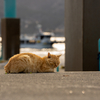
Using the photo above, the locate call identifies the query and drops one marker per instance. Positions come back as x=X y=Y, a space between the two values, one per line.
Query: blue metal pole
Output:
x=9 y=12
x=10 y=8
x=99 y=52
x=57 y=69
x=1 y=57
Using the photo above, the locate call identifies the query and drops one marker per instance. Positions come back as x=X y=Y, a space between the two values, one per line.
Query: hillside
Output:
x=48 y=13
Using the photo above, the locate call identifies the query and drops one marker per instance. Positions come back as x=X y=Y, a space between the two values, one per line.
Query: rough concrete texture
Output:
x=50 y=86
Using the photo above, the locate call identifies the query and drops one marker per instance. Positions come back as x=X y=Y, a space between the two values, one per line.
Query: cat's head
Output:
x=53 y=60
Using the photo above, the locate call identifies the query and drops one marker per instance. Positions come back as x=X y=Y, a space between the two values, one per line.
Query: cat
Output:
x=31 y=63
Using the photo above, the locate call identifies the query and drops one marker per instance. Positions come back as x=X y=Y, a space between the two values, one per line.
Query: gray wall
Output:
x=82 y=31
x=73 y=34
x=10 y=32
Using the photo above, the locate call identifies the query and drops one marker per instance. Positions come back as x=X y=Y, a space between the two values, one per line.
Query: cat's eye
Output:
x=49 y=57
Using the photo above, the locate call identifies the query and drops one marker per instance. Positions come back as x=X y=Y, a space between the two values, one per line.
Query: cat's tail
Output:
x=7 y=68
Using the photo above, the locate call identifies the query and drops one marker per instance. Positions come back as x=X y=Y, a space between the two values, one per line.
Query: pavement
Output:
x=50 y=86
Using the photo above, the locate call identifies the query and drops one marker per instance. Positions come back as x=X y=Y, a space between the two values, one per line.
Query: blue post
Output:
x=57 y=69
x=9 y=12
x=1 y=50
x=10 y=8
x=99 y=52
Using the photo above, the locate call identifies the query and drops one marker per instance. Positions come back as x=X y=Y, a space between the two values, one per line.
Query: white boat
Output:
x=44 y=38
x=40 y=40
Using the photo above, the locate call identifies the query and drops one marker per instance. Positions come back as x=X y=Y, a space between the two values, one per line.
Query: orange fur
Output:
x=28 y=62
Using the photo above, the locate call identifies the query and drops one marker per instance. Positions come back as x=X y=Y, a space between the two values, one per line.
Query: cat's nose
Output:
x=56 y=65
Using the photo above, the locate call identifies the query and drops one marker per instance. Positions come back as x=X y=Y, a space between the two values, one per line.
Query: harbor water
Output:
x=42 y=50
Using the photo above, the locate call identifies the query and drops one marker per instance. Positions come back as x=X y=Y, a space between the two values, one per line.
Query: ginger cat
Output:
x=31 y=63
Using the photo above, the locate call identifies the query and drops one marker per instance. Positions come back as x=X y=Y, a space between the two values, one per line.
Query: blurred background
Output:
x=42 y=26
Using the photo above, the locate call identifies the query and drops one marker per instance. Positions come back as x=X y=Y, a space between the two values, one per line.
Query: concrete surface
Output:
x=50 y=86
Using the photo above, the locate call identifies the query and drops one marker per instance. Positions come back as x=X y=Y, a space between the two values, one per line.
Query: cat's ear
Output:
x=58 y=55
x=49 y=55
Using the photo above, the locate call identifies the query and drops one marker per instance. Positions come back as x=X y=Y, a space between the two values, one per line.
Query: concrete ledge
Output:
x=50 y=86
